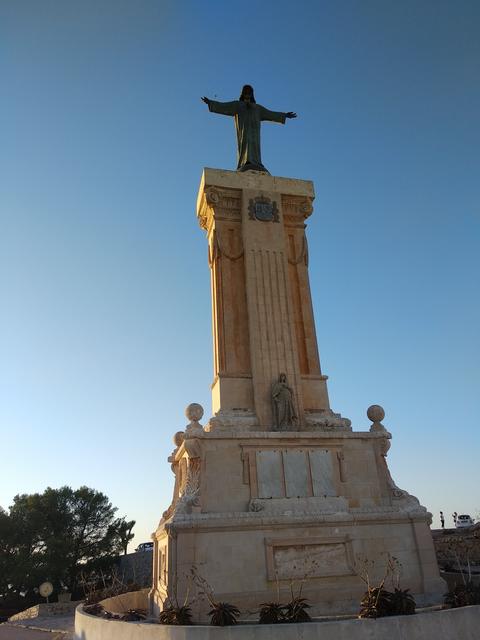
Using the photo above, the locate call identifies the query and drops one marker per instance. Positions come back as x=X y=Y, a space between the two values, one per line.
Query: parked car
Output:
x=145 y=546
x=464 y=521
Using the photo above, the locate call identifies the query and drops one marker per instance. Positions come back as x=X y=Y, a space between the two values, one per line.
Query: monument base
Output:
x=254 y=511
x=277 y=489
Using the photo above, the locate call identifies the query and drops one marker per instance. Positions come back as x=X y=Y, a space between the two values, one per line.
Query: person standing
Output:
x=454 y=516
x=442 y=520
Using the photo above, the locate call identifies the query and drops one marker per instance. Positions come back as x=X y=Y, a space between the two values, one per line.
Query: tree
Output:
x=125 y=533
x=6 y=548
x=56 y=536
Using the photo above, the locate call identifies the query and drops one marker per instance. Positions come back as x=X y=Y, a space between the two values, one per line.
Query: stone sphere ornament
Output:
x=375 y=413
x=178 y=438
x=194 y=412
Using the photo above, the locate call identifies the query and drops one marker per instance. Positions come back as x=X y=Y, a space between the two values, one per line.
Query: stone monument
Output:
x=276 y=487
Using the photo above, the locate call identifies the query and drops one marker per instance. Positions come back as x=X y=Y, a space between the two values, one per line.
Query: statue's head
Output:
x=282 y=377
x=247 y=94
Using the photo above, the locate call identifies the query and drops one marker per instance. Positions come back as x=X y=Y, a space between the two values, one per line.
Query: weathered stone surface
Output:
x=44 y=610
x=263 y=322
x=269 y=493
x=258 y=491
x=322 y=472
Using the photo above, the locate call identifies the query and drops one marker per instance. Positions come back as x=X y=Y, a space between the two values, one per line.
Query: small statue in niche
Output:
x=283 y=407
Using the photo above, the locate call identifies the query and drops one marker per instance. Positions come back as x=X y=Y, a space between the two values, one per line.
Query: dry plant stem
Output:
x=187 y=595
x=203 y=585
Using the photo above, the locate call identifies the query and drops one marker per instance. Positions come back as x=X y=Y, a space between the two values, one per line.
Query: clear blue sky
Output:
x=105 y=327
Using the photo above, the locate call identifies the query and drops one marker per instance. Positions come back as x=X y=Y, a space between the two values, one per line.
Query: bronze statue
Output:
x=283 y=407
x=248 y=116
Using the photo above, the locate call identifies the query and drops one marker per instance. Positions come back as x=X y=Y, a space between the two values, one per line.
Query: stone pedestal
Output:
x=263 y=321
x=277 y=487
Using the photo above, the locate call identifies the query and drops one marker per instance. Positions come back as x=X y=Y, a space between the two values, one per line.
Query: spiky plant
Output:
x=271 y=613
x=463 y=595
x=183 y=615
x=402 y=603
x=167 y=616
x=223 y=614
x=176 y=615
x=296 y=610
x=375 y=603
x=94 y=609
x=134 y=615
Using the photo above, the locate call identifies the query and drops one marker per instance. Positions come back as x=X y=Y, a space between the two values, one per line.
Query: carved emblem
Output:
x=263 y=209
x=212 y=196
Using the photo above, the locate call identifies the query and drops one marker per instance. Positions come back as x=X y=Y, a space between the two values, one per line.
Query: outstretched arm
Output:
x=224 y=108
x=276 y=116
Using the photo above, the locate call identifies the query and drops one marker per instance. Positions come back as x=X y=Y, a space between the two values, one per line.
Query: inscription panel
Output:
x=296 y=473
x=314 y=561
x=322 y=473
x=270 y=474
x=298 y=558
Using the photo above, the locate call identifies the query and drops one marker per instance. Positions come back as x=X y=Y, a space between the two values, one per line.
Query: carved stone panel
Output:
x=322 y=473
x=296 y=473
x=269 y=474
x=315 y=558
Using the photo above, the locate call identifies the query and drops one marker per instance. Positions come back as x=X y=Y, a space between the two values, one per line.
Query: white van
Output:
x=464 y=521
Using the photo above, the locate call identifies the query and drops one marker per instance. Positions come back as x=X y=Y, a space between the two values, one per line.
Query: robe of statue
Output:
x=283 y=407
x=248 y=116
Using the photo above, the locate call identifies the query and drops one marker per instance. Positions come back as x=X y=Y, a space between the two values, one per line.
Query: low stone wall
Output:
x=136 y=567
x=457 y=546
x=43 y=609
x=126 y=601
x=449 y=624
x=456 y=578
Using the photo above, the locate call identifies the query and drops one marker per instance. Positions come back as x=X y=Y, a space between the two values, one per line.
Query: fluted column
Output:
x=261 y=306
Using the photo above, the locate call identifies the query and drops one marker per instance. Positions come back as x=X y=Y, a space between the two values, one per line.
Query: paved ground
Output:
x=12 y=632
x=51 y=628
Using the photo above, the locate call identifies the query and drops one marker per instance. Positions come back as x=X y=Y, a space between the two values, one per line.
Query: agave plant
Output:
x=176 y=615
x=296 y=610
x=223 y=614
x=94 y=609
x=376 y=603
x=402 y=603
x=134 y=615
x=271 y=613
x=463 y=595
x=110 y=616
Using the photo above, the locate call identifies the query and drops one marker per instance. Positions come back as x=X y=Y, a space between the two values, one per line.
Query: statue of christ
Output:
x=248 y=116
